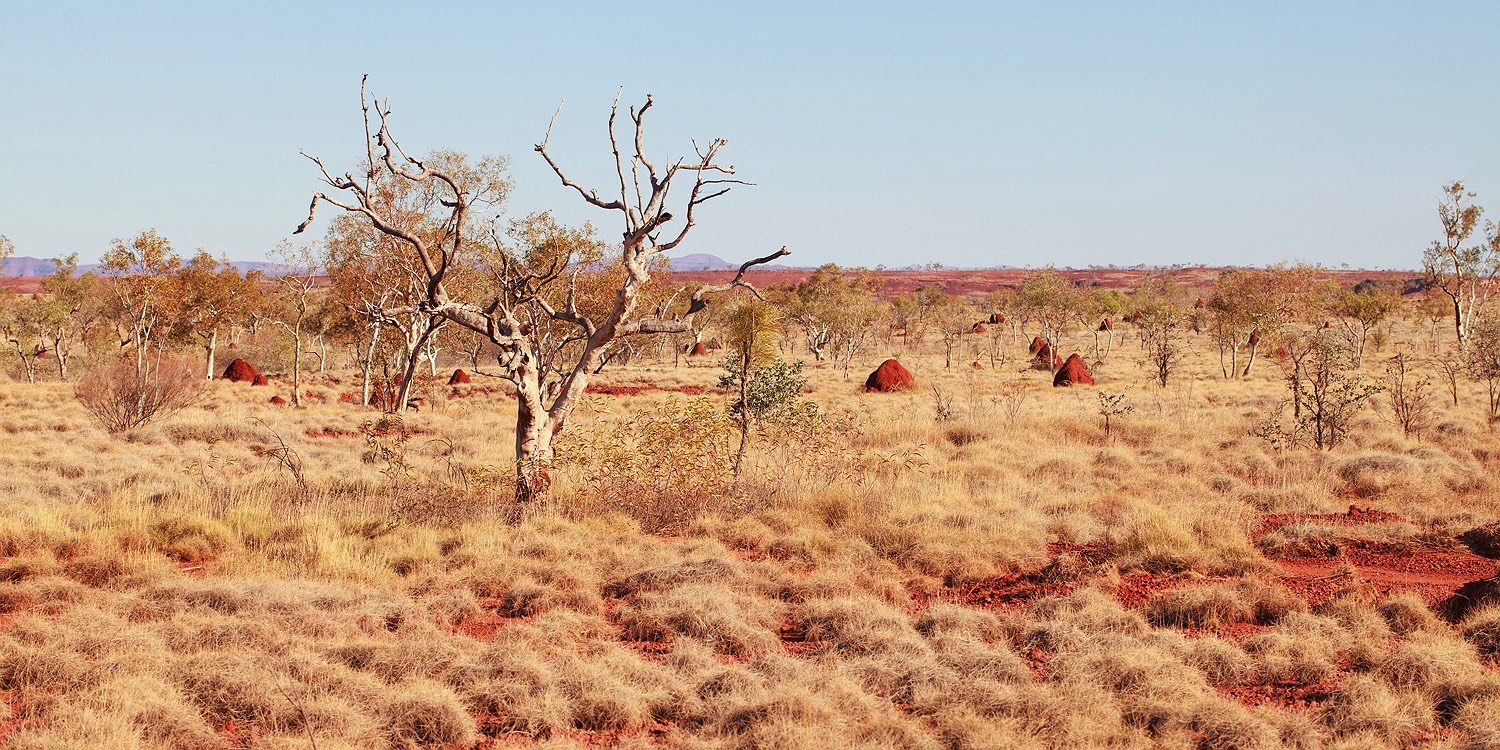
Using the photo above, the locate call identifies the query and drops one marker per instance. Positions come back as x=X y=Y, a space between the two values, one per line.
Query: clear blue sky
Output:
x=877 y=133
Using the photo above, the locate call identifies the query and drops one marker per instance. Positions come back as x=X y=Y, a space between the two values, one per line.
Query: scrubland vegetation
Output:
x=882 y=578
x=659 y=514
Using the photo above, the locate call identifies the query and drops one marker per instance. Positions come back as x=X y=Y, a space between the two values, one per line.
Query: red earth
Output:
x=1433 y=574
x=982 y=282
x=968 y=282
x=636 y=389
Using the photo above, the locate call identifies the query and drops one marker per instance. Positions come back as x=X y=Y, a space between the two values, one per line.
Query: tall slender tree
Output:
x=1463 y=272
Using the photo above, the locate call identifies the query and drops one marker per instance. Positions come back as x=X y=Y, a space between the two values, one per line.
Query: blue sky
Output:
x=879 y=133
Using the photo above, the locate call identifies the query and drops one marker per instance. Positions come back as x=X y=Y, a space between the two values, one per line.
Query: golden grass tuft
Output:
x=424 y=714
x=1248 y=600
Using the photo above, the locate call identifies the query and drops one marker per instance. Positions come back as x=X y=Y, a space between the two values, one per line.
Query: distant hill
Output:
x=702 y=262
x=25 y=267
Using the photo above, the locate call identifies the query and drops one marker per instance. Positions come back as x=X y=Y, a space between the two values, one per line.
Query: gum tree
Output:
x=549 y=375
x=139 y=273
x=1463 y=272
x=209 y=293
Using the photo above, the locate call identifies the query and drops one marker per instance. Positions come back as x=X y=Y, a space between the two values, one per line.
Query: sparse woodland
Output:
x=649 y=513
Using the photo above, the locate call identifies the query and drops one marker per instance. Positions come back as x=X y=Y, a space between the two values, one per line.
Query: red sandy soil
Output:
x=636 y=389
x=794 y=639
x=980 y=283
x=1286 y=696
x=491 y=622
x=955 y=281
x=1432 y=574
x=467 y=391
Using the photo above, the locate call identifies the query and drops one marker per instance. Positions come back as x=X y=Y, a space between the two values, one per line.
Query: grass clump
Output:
x=1248 y=600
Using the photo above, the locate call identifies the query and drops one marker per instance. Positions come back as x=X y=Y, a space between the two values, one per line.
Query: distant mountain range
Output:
x=702 y=262
x=25 y=267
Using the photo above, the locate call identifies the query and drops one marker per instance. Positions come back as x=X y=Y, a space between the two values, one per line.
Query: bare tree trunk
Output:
x=208 y=350
x=744 y=406
x=1459 y=324
x=1254 y=349
x=409 y=367
x=60 y=348
x=534 y=435
x=28 y=364
x=368 y=366
x=297 y=365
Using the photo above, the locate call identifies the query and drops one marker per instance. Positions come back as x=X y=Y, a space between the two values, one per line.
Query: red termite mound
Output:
x=1045 y=357
x=1106 y=326
x=278 y=400
x=1254 y=337
x=698 y=350
x=1073 y=372
x=240 y=371
x=978 y=328
x=459 y=377
x=996 y=318
x=888 y=377
x=260 y=380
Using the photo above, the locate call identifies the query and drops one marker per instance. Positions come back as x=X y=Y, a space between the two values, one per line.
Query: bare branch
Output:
x=592 y=196
x=699 y=302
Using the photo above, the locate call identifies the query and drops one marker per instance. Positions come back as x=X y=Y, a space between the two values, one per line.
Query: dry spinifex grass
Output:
x=163 y=590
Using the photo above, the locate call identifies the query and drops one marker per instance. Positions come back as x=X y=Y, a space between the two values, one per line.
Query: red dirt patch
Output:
x=1284 y=695
x=1006 y=592
x=794 y=639
x=636 y=389
x=485 y=628
x=1434 y=576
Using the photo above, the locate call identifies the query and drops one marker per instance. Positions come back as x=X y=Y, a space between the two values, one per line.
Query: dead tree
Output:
x=548 y=368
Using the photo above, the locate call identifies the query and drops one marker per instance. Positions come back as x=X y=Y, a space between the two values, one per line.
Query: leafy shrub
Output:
x=663 y=467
